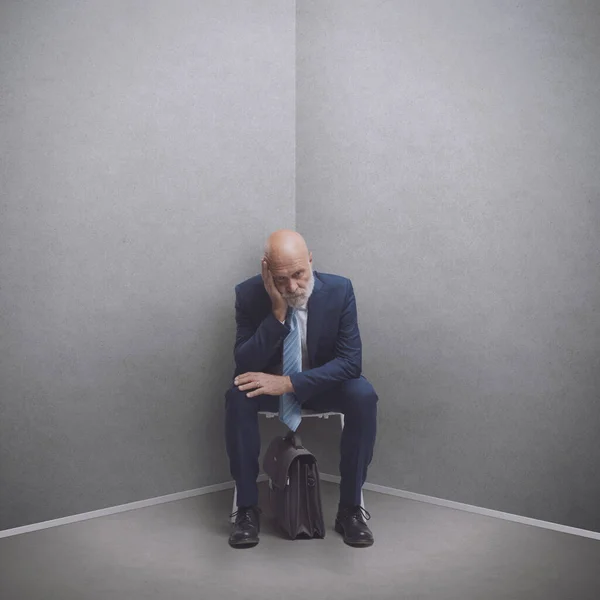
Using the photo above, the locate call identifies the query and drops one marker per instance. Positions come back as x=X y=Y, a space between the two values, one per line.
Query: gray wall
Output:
x=448 y=160
x=146 y=150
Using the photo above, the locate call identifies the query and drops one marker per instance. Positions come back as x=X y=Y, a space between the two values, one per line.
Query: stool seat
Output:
x=305 y=413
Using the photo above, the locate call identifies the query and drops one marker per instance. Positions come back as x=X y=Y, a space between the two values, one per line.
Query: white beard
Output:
x=299 y=300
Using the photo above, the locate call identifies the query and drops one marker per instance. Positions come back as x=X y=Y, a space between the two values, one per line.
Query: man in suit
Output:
x=323 y=308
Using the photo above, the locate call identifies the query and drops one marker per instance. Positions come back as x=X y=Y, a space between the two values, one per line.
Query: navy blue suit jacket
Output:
x=333 y=338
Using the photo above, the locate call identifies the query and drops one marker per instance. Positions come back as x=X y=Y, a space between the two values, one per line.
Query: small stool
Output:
x=305 y=413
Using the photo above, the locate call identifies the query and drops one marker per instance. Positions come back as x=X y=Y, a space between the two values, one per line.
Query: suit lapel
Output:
x=316 y=312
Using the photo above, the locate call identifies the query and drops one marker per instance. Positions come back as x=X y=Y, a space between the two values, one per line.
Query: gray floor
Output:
x=179 y=551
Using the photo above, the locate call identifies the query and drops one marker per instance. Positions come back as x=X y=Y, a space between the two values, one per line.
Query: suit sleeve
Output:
x=347 y=363
x=255 y=346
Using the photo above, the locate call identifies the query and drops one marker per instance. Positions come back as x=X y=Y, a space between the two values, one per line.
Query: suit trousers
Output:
x=355 y=398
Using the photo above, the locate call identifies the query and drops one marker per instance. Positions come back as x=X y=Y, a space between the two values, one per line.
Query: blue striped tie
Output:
x=290 y=411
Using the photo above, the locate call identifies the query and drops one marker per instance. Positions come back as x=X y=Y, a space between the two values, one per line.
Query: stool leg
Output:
x=234 y=507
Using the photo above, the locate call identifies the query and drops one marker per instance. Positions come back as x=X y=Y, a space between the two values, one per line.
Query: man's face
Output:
x=294 y=279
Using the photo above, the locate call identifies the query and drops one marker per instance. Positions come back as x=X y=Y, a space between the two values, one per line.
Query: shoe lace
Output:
x=363 y=512
x=359 y=513
x=243 y=516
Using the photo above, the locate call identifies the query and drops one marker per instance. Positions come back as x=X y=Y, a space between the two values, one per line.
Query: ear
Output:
x=310 y=258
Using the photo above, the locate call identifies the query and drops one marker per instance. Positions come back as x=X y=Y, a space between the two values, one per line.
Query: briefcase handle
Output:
x=294 y=438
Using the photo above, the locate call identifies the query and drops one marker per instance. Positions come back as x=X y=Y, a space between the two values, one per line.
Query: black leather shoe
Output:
x=350 y=522
x=246 y=527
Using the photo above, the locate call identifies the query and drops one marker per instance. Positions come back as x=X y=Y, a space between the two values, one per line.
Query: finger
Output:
x=248 y=386
x=255 y=388
x=268 y=275
x=245 y=378
x=247 y=375
x=264 y=269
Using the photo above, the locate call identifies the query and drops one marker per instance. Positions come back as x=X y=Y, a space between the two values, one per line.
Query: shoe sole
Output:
x=242 y=545
x=364 y=544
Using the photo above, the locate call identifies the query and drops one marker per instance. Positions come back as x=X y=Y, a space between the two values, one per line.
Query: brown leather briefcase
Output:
x=294 y=488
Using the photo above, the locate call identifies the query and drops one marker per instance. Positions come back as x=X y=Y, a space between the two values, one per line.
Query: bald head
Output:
x=285 y=245
x=290 y=264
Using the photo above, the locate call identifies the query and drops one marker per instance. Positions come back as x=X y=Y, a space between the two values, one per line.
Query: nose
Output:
x=292 y=287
